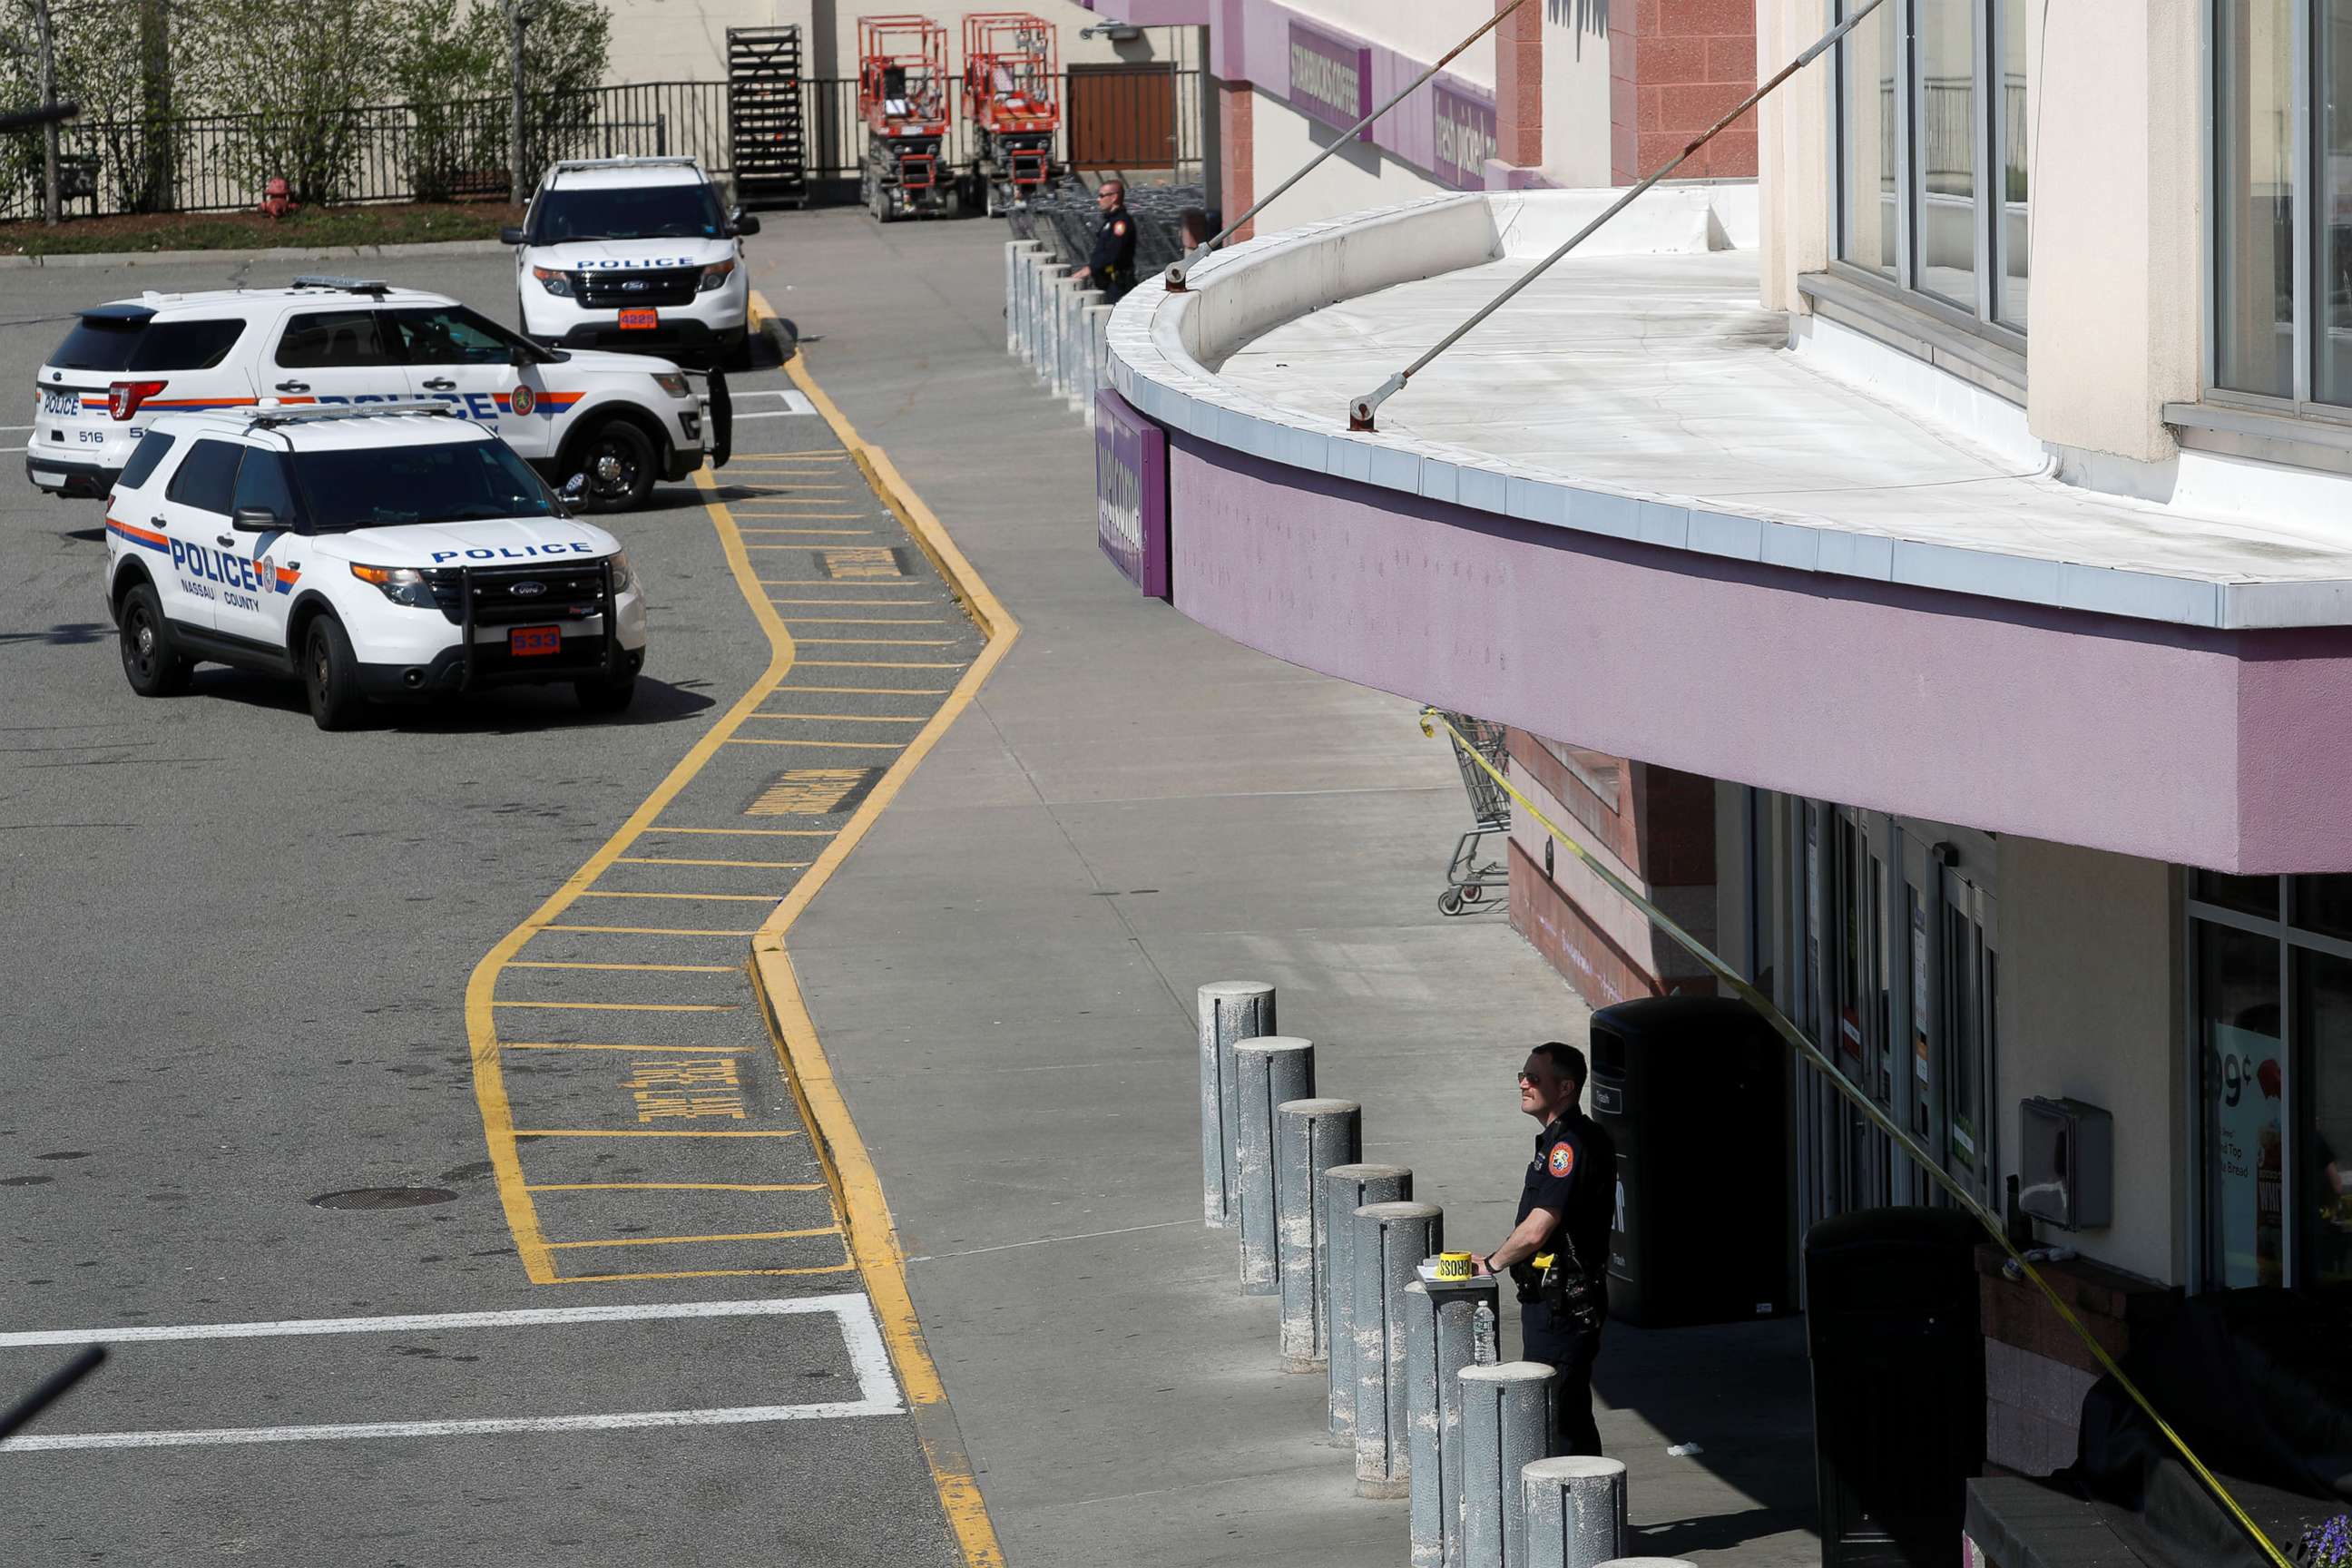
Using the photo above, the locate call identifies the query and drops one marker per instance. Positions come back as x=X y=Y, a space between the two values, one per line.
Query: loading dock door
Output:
x=1123 y=117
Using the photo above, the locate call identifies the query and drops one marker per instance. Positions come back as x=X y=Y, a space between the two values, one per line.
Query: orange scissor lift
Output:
x=903 y=97
x=1011 y=86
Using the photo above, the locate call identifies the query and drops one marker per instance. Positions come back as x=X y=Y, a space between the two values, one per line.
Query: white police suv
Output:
x=393 y=550
x=637 y=254
x=619 y=422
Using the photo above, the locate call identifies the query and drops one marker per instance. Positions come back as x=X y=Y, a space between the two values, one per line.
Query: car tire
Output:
x=616 y=463
x=331 y=675
x=152 y=661
x=606 y=694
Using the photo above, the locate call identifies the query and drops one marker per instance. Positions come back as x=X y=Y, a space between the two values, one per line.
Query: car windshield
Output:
x=648 y=212
x=387 y=487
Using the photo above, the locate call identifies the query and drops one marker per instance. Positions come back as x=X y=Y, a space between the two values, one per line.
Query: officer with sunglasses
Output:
x=1558 y=1251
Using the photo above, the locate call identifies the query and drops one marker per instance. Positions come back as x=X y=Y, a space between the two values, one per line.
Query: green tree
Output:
x=300 y=75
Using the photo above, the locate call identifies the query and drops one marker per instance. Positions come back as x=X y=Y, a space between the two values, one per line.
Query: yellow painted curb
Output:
x=873 y=1238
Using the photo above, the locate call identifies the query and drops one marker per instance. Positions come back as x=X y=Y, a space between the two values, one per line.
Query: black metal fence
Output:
x=1145 y=120
x=395 y=153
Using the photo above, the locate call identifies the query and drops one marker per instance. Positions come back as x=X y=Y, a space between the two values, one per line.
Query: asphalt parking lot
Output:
x=431 y=971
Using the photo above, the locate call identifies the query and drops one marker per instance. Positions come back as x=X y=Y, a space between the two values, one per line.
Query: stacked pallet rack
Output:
x=766 y=130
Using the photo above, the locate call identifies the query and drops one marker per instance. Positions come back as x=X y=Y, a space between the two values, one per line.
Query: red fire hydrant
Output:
x=277 y=197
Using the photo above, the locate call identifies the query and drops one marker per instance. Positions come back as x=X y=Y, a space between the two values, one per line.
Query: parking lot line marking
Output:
x=652 y=930
x=626 y=1006
x=870 y=664
x=679 y=1240
x=586 y=1046
x=649 y=1132
x=678 y=1186
x=721 y=898
x=860 y=604
x=815 y=532
x=826 y=583
x=871 y=1236
x=869 y=621
x=841 y=718
x=842 y=1305
x=664 y=968
x=681 y=860
x=734 y=1415
x=842 y=1268
x=821 y=745
x=755 y=833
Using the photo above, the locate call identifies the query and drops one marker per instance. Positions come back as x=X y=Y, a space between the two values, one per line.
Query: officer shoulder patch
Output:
x=1562 y=1160
x=1119 y=228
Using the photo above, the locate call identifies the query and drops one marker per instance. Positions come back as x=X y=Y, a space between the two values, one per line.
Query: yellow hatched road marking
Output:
x=840 y=717
x=821 y=583
x=869 y=621
x=869 y=690
x=641 y=1132
x=720 y=898
x=813 y=532
x=666 y=968
x=707 y=1274
x=857 y=604
x=681 y=860
x=872 y=1239
x=677 y=1240
x=868 y=664
x=755 y=832
x=625 y=1006
x=652 y=930
x=877 y=642
x=601 y=1045
x=820 y=745
x=677 y=1187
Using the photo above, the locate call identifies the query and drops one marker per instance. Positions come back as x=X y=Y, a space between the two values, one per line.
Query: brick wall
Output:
x=1675 y=66
x=2036 y=1371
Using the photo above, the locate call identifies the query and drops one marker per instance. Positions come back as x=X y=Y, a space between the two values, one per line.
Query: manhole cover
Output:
x=384 y=1198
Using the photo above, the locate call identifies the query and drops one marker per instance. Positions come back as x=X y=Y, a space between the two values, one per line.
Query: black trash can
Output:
x=1899 y=1365
x=1693 y=1091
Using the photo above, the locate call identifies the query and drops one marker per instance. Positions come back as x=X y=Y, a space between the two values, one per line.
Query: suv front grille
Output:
x=603 y=290
x=571 y=591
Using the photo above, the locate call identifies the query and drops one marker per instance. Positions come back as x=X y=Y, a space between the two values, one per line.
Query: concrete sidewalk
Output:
x=1004 y=976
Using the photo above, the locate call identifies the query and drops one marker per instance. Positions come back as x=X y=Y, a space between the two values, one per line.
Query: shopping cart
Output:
x=1467 y=877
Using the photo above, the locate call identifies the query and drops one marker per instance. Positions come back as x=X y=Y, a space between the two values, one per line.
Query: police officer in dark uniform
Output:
x=1558 y=1252
x=1111 y=268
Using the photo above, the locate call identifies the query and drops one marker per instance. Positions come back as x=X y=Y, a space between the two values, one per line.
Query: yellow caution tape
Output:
x=1453 y=1265
x=1431 y=720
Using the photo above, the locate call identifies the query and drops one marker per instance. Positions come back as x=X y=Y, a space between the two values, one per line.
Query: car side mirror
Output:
x=255 y=519
x=744 y=223
x=574 y=488
x=522 y=357
x=510 y=234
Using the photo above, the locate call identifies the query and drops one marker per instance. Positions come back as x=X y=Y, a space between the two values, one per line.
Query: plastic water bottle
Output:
x=1485 y=1346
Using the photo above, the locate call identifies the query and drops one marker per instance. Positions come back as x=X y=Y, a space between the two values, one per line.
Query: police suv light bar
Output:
x=306 y=414
x=348 y=285
x=668 y=160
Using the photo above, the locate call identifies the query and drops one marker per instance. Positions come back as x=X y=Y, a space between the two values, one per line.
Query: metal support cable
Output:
x=1361 y=411
x=1178 y=270
x=1812 y=1054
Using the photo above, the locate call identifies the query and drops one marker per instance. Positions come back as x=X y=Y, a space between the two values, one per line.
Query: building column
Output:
x=1518 y=85
x=1236 y=154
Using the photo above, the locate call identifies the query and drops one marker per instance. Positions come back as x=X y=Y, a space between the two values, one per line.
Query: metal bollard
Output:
x=1441 y=1333
x=1575 y=1507
x=1390 y=1240
x=1230 y=1010
x=1505 y=1420
x=1267 y=1072
x=1345 y=1189
x=1310 y=1136
x=1014 y=249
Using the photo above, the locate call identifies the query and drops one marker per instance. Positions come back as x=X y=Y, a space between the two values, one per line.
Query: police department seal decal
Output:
x=1563 y=1159
x=524 y=398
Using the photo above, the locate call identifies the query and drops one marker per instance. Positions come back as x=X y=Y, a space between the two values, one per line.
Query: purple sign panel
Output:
x=1465 y=135
x=1131 y=492
x=1330 y=78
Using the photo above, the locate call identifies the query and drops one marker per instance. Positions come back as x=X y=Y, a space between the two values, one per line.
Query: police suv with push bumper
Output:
x=617 y=421
x=634 y=254
x=378 y=551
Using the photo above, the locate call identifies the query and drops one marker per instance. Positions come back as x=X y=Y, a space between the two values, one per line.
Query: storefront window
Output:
x=2323 y=1012
x=2255 y=204
x=2254 y=895
x=2238 y=1013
